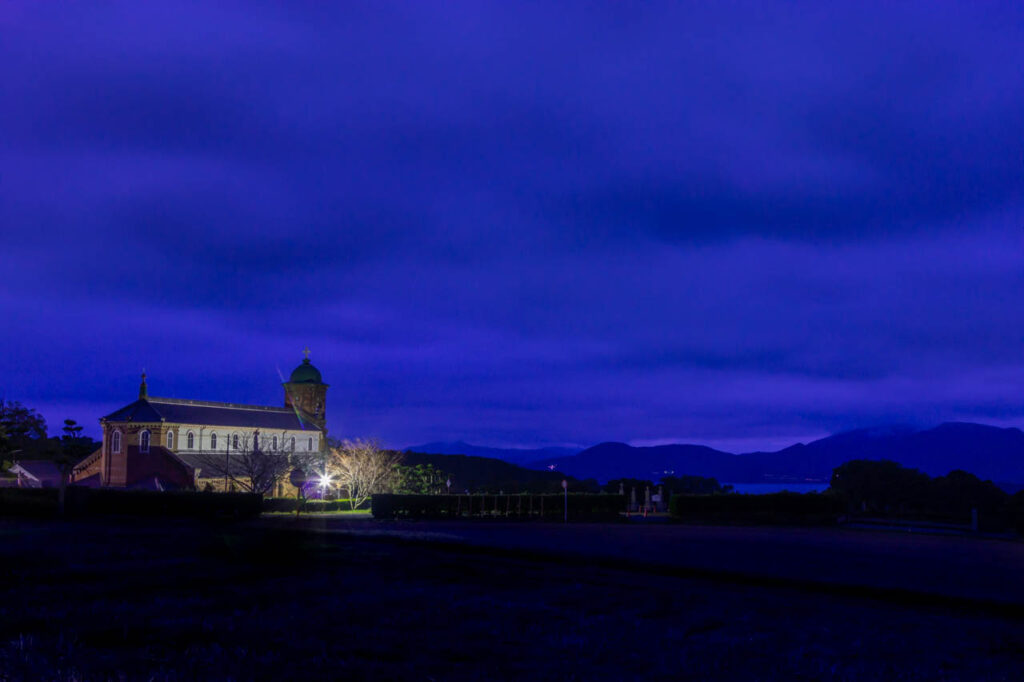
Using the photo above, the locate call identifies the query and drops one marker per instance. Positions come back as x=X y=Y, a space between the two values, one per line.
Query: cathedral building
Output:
x=166 y=443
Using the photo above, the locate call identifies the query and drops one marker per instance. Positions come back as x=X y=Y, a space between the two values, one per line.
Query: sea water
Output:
x=765 y=488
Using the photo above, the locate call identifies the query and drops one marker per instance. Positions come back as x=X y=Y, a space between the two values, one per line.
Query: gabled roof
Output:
x=207 y=413
x=42 y=470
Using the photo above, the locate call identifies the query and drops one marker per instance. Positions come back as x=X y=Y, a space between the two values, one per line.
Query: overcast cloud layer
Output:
x=517 y=224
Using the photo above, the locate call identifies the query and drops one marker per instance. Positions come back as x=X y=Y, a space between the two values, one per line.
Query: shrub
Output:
x=783 y=507
x=288 y=504
x=552 y=507
x=42 y=502
x=37 y=502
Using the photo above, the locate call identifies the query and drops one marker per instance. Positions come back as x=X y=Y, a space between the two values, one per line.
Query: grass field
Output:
x=355 y=513
x=176 y=601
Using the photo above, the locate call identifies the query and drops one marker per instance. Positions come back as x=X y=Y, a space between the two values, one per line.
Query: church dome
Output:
x=306 y=373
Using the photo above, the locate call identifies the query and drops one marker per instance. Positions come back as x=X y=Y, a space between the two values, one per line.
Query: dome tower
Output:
x=306 y=391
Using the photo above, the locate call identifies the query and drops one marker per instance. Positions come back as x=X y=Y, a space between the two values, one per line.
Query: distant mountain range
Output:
x=989 y=452
x=518 y=456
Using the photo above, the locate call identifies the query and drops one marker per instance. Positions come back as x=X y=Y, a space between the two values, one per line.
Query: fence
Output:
x=577 y=506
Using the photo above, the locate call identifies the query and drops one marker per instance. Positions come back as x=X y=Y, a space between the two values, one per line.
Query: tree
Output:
x=362 y=468
x=881 y=486
x=250 y=467
x=73 y=447
x=24 y=430
x=887 y=487
x=958 y=492
x=421 y=479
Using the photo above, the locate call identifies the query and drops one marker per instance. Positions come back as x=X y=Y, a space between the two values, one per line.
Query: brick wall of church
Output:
x=310 y=398
x=114 y=467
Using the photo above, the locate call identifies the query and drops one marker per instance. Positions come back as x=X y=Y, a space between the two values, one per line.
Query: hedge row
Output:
x=79 y=502
x=37 y=502
x=288 y=504
x=580 y=506
x=783 y=507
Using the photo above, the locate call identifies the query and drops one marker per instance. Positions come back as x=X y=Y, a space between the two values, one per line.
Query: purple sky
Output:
x=517 y=224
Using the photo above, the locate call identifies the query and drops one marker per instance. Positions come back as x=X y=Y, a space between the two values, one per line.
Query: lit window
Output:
x=190 y=440
x=144 y=441
x=115 y=442
x=213 y=441
x=170 y=440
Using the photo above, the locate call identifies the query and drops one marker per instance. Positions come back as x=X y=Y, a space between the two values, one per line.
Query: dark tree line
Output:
x=887 y=488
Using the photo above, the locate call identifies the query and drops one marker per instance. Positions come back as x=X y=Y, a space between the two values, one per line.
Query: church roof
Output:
x=207 y=413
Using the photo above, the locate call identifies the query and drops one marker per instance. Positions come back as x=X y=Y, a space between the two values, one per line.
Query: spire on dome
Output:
x=143 y=389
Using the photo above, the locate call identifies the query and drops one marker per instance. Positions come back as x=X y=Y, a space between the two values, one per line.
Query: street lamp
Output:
x=565 y=487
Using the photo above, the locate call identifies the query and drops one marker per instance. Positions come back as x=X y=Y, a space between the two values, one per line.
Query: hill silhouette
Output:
x=485 y=474
x=514 y=455
x=989 y=452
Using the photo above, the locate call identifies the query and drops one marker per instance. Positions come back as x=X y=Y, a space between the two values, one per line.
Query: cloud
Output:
x=518 y=223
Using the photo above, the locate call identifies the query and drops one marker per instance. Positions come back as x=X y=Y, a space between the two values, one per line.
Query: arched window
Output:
x=144 y=441
x=275 y=442
x=213 y=441
x=115 y=441
x=190 y=440
x=234 y=442
x=310 y=447
x=170 y=440
x=293 y=443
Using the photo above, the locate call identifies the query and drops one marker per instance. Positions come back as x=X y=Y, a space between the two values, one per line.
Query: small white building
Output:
x=36 y=473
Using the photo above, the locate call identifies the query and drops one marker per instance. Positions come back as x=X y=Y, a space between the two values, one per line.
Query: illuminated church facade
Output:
x=167 y=443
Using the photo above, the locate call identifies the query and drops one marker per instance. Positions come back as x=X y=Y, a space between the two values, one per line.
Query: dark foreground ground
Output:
x=147 y=600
